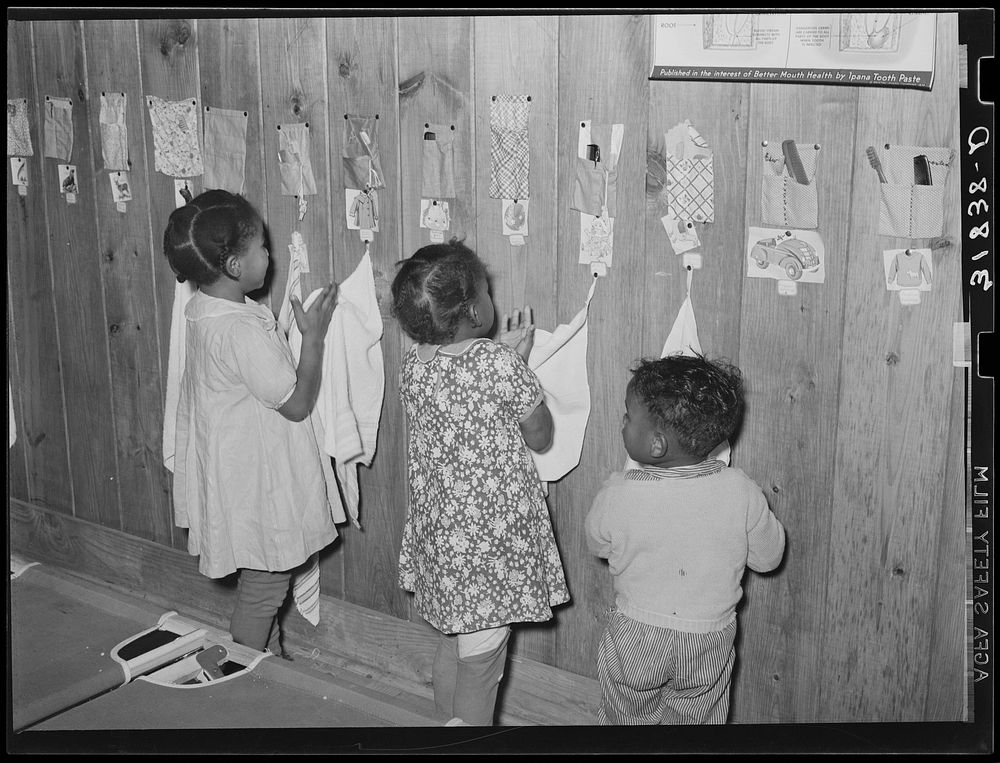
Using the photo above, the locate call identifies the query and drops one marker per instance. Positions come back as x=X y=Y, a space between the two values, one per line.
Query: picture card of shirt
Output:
x=58 y=127
x=225 y=148
x=690 y=180
x=114 y=131
x=176 y=151
x=18 y=132
x=509 y=151
x=908 y=269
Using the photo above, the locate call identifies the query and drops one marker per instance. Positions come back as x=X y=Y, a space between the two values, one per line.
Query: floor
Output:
x=68 y=676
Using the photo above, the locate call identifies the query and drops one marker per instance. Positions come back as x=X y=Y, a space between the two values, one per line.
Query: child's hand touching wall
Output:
x=518 y=332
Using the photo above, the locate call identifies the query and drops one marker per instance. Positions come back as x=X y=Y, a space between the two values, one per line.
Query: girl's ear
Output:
x=231 y=267
x=474 y=316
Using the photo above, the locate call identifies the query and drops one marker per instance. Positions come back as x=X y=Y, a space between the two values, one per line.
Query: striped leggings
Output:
x=653 y=675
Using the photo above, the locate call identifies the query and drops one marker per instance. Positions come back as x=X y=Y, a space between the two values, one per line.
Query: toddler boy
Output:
x=678 y=532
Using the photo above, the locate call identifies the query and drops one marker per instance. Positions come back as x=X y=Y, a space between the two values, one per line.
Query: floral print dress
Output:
x=478 y=549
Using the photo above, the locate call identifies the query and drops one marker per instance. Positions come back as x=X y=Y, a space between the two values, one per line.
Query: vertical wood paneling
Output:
x=77 y=284
x=887 y=511
x=434 y=60
x=229 y=75
x=363 y=81
x=719 y=112
x=846 y=429
x=435 y=86
x=33 y=341
x=168 y=62
x=602 y=77
x=293 y=89
x=126 y=260
x=519 y=55
x=790 y=356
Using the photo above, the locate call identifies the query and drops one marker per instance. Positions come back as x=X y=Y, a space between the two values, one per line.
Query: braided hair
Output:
x=202 y=234
x=700 y=400
x=433 y=289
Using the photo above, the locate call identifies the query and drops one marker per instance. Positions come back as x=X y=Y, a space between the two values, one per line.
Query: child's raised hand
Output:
x=518 y=332
x=314 y=322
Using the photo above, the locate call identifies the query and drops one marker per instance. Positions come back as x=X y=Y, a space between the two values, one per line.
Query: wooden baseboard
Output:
x=350 y=640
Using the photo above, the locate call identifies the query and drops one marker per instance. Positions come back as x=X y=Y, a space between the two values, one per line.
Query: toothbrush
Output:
x=873 y=160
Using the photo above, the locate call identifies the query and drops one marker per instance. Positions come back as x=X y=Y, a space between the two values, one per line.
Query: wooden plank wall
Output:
x=855 y=414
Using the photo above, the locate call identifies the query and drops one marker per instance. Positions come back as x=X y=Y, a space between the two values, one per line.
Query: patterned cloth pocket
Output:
x=18 y=132
x=362 y=165
x=785 y=200
x=294 y=164
x=690 y=180
x=438 y=167
x=176 y=152
x=58 y=127
x=908 y=210
x=225 y=149
x=509 y=151
x=114 y=133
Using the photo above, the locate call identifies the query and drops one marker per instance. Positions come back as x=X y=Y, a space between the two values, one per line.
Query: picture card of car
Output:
x=785 y=255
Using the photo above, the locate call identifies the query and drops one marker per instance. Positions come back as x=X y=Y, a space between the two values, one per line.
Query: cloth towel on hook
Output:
x=349 y=404
x=175 y=368
x=559 y=360
x=293 y=284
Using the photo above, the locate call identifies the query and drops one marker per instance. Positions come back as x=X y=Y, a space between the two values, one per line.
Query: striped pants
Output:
x=652 y=675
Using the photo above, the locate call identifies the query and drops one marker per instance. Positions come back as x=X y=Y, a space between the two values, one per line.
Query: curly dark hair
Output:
x=700 y=400
x=433 y=289
x=201 y=234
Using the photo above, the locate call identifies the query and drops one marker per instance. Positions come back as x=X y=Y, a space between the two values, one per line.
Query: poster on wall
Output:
x=866 y=48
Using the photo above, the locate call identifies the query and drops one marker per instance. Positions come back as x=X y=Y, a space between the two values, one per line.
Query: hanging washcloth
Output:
x=559 y=360
x=293 y=284
x=18 y=133
x=350 y=394
x=176 y=152
x=690 y=181
x=175 y=368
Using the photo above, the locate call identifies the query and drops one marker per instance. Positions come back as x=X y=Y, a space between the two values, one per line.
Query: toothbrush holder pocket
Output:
x=907 y=210
x=785 y=199
x=438 y=166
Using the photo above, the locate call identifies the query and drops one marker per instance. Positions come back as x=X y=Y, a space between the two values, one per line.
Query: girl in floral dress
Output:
x=478 y=549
